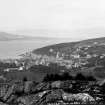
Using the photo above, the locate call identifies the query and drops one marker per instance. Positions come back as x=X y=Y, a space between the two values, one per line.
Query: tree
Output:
x=90 y=78
x=81 y=77
x=56 y=77
x=25 y=79
x=47 y=78
x=66 y=76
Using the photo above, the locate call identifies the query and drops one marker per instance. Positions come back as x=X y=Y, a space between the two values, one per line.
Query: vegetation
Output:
x=67 y=76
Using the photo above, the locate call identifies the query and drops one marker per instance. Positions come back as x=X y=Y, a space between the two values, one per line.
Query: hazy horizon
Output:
x=74 y=35
x=53 y=18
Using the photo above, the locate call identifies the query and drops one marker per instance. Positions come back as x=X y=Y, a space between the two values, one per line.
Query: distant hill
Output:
x=8 y=36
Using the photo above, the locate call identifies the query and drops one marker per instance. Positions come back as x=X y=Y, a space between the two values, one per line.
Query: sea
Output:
x=12 y=49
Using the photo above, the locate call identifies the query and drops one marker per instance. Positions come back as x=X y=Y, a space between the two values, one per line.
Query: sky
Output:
x=53 y=18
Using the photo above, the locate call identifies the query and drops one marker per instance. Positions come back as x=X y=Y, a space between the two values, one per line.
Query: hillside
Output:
x=87 y=56
x=64 y=47
x=52 y=93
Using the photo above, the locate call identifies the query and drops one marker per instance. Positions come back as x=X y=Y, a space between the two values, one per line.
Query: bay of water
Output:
x=12 y=49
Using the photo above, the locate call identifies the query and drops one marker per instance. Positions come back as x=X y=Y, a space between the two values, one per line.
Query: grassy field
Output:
x=20 y=75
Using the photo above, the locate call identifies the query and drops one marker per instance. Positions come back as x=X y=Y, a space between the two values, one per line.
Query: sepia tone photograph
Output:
x=52 y=52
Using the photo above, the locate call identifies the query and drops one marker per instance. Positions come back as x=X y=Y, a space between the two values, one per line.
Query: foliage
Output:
x=67 y=76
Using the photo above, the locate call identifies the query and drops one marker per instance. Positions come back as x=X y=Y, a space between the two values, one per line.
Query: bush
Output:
x=25 y=79
x=90 y=78
x=79 y=76
x=56 y=77
x=66 y=76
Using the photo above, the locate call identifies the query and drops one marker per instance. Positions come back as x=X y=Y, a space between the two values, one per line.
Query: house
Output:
x=88 y=56
x=51 y=50
x=21 y=68
x=2 y=77
x=95 y=42
x=11 y=69
x=77 y=56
